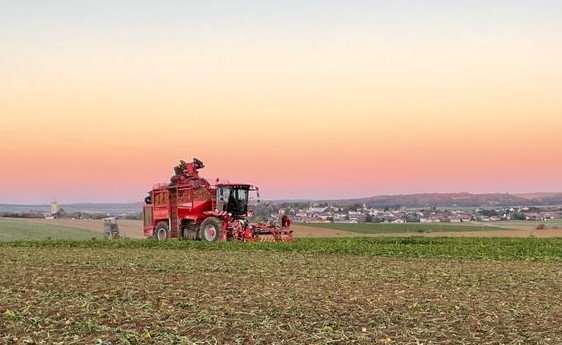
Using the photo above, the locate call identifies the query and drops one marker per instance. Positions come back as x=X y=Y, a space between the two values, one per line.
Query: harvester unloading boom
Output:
x=189 y=207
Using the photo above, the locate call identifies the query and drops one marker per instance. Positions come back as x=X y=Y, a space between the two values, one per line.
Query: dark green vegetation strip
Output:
x=389 y=228
x=481 y=248
x=20 y=229
x=137 y=296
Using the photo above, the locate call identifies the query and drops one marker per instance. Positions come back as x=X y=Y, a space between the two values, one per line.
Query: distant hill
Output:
x=110 y=208
x=458 y=200
x=405 y=200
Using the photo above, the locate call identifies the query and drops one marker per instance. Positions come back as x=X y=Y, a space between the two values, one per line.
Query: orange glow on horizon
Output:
x=339 y=112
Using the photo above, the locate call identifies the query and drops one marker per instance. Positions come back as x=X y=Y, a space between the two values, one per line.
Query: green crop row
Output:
x=462 y=247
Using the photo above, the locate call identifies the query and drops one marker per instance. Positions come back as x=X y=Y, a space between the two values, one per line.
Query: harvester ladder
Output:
x=173 y=212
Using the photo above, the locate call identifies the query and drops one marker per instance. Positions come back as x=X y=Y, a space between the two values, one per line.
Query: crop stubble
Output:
x=135 y=295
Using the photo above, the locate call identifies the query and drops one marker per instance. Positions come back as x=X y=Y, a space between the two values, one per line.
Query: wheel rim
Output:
x=210 y=232
x=161 y=234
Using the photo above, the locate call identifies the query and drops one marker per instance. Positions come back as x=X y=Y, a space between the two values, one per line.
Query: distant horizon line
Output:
x=282 y=199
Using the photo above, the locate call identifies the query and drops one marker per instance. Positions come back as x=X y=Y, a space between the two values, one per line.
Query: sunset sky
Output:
x=306 y=99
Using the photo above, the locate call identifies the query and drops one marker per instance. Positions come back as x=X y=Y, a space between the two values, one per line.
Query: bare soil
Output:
x=167 y=296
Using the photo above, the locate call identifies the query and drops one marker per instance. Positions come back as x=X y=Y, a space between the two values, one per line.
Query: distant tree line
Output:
x=61 y=215
x=22 y=215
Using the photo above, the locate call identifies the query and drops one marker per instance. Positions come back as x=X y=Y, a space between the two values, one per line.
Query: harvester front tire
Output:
x=161 y=231
x=210 y=230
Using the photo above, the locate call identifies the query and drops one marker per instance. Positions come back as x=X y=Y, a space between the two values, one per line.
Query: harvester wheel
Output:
x=190 y=231
x=210 y=229
x=161 y=231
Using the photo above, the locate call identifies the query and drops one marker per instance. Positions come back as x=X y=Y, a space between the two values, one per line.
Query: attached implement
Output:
x=190 y=208
x=110 y=228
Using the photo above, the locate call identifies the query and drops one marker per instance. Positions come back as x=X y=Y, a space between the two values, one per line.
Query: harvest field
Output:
x=525 y=224
x=65 y=229
x=12 y=229
x=498 y=229
x=314 y=291
x=391 y=228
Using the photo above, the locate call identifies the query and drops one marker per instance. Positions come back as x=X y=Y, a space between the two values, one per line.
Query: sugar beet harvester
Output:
x=190 y=208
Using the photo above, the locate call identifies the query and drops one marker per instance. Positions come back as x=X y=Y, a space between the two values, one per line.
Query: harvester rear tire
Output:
x=211 y=229
x=190 y=231
x=161 y=232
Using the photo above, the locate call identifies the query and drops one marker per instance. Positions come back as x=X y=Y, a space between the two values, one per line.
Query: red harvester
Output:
x=190 y=208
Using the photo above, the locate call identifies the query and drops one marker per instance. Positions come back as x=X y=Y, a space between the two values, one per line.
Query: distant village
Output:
x=325 y=213
x=304 y=212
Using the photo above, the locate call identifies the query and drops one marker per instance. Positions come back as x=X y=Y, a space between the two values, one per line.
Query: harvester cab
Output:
x=234 y=198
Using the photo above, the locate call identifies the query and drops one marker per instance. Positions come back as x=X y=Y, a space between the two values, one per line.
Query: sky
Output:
x=306 y=99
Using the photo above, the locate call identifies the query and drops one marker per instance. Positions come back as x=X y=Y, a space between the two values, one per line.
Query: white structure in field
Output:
x=54 y=208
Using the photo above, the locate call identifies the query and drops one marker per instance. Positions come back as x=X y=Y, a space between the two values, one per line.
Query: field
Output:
x=391 y=228
x=343 y=289
x=499 y=229
x=316 y=291
x=132 y=229
x=458 y=248
x=522 y=224
x=21 y=229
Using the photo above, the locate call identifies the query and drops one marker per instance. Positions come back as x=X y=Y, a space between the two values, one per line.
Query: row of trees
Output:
x=62 y=214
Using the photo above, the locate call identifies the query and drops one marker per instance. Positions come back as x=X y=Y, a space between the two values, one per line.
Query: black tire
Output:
x=161 y=232
x=210 y=230
x=190 y=231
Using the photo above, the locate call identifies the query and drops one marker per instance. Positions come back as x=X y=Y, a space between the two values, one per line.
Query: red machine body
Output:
x=189 y=207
